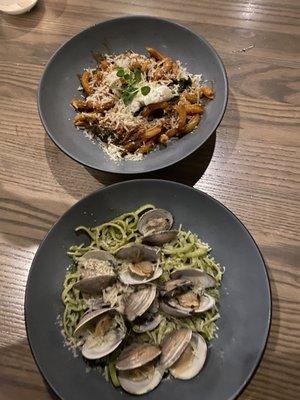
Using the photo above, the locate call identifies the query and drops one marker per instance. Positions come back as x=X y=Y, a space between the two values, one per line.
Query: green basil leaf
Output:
x=145 y=90
x=137 y=75
x=120 y=72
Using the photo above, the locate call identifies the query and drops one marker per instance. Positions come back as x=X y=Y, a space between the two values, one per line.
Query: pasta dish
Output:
x=141 y=299
x=132 y=103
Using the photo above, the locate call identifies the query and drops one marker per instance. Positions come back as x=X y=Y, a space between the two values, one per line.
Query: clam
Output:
x=191 y=360
x=137 y=355
x=196 y=276
x=147 y=322
x=187 y=304
x=138 y=372
x=155 y=226
x=175 y=284
x=143 y=264
x=174 y=345
x=155 y=221
x=159 y=238
x=139 y=302
x=103 y=330
x=137 y=252
x=97 y=271
x=141 y=380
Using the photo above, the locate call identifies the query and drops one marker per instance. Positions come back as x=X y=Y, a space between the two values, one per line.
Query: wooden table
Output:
x=251 y=164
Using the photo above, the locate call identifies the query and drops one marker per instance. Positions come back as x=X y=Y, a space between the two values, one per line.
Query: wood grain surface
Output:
x=251 y=164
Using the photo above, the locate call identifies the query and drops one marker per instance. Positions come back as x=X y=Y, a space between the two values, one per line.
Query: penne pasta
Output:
x=85 y=82
x=153 y=107
x=155 y=54
x=192 y=109
x=151 y=132
x=181 y=110
x=191 y=125
x=132 y=102
x=207 y=92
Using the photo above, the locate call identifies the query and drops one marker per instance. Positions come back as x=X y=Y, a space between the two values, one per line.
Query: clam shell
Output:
x=196 y=276
x=192 y=359
x=95 y=284
x=139 y=302
x=171 y=307
x=136 y=355
x=154 y=221
x=147 y=326
x=93 y=350
x=99 y=255
x=174 y=345
x=173 y=284
x=129 y=279
x=89 y=319
x=138 y=252
x=141 y=386
x=159 y=238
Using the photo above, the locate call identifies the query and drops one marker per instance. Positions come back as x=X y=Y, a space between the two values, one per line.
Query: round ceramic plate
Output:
x=245 y=302
x=59 y=86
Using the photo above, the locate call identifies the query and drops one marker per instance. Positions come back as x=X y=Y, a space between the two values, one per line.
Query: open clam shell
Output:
x=137 y=355
x=139 y=302
x=138 y=252
x=94 y=285
x=89 y=319
x=141 y=380
x=192 y=359
x=100 y=255
x=196 y=276
x=155 y=221
x=93 y=349
x=172 y=307
x=174 y=284
x=98 y=345
x=94 y=280
x=130 y=278
x=147 y=324
x=159 y=238
x=174 y=345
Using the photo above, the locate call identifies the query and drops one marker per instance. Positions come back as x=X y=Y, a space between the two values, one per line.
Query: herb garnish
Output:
x=128 y=89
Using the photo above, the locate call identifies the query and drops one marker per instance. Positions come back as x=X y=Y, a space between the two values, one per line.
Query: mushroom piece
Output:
x=103 y=330
x=174 y=345
x=192 y=359
x=97 y=271
x=138 y=372
x=139 y=302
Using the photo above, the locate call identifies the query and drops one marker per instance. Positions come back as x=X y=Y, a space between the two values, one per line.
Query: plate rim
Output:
x=183 y=186
x=162 y=164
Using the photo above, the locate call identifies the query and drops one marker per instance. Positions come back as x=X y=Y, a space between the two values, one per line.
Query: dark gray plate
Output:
x=59 y=85
x=245 y=304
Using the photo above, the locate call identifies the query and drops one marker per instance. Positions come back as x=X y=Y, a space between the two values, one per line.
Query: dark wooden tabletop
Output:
x=251 y=164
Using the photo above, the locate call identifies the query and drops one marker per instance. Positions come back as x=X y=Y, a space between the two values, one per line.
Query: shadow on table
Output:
x=187 y=171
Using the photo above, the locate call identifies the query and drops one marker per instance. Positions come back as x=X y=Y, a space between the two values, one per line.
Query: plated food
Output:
x=132 y=103
x=141 y=299
x=244 y=304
